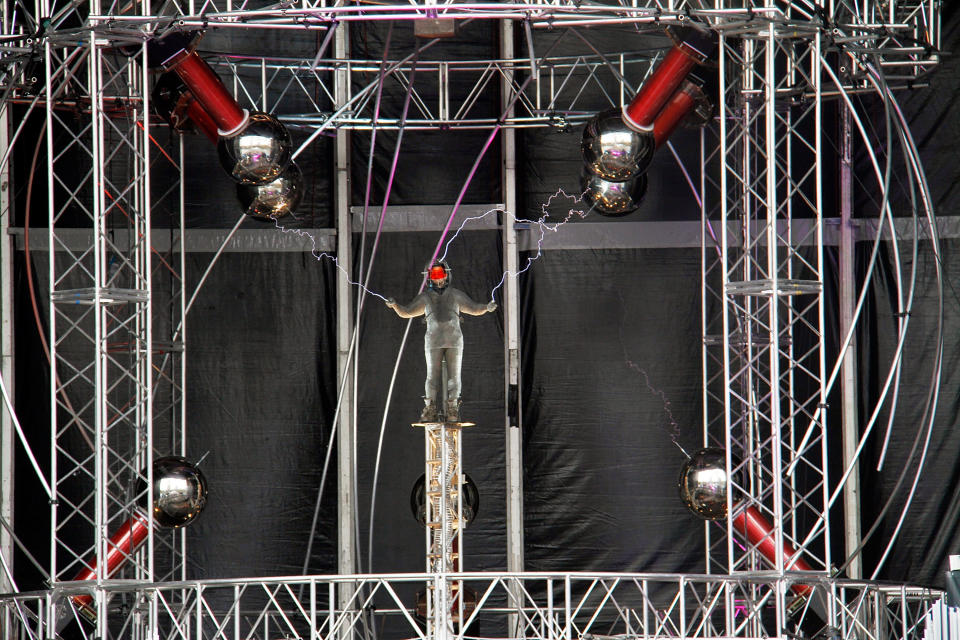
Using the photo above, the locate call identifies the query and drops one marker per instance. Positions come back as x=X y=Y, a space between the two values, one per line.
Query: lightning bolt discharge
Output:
x=541 y=224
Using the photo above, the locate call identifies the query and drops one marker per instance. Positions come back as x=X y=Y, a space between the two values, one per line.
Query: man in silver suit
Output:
x=442 y=305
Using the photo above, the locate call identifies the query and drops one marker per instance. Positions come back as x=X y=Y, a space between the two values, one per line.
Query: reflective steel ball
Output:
x=259 y=153
x=611 y=198
x=273 y=199
x=703 y=483
x=470 y=500
x=179 y=491
x=614 y=151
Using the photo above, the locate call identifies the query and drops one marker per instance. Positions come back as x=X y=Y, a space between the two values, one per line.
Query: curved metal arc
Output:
x=930 y=410
x=883 y=179
x=376 y=242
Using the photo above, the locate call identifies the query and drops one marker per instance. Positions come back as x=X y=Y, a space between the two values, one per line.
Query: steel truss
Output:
x=117 y=308
x=764 y=344
x=904 y=35
x=115 y=314
x=443 y=521
x=549 y=606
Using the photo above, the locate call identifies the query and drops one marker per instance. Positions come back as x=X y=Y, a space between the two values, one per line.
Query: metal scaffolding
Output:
x=117 y=306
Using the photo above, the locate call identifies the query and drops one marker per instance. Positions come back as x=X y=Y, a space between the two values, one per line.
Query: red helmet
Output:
x=437 y=272
x=438 y=275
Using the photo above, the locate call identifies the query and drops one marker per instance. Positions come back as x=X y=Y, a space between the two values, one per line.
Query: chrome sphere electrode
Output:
x=614 y=199
x=274 y=199
x=258 y=153
x=614 y=151
x=703 y=483
x=179 y=491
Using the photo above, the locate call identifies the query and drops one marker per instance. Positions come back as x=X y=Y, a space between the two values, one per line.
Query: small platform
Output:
x=455 y=425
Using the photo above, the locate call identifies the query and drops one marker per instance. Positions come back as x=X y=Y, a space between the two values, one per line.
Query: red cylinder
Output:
x=679 y=106
x=662 y=83
x=202 y=120
x=206 y=87
x=123 y=543
x=751 y=523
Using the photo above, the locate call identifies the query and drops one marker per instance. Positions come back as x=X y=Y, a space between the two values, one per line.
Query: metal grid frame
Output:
x=763 y=298
x=768 y=287
x=443 y=502
x=108 y=320
x=550 y=606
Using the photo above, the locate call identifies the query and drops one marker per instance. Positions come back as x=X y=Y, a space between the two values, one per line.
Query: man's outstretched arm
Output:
x=467 y=305
x=417 y=307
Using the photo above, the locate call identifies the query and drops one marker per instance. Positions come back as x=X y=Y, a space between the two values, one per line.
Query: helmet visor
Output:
x=437 y=273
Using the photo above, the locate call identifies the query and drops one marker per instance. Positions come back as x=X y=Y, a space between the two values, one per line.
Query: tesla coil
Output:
x=118 y=344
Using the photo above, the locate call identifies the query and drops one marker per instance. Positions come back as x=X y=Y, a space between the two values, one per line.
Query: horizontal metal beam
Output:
x=597 y=234
x=266 y=240
x=428 y=217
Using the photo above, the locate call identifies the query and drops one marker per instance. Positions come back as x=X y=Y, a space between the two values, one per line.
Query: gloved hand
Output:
x=491 y=306
x=391 y=303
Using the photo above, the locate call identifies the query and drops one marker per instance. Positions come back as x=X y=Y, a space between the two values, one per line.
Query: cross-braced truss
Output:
x=112 y=376
x=562 y=606
x=117 y=306
x=764 y=366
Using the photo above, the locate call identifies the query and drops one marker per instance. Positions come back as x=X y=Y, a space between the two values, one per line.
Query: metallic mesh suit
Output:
x=442 y=306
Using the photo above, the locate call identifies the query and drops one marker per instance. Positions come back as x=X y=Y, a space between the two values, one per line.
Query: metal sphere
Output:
x=614 y=199
x=259 y=153
x=614 y=151
x=703 y=483
x=273 y=199
x=470 y=496
x=179 y=491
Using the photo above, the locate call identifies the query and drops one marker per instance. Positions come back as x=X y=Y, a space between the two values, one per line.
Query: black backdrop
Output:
x=611 y=364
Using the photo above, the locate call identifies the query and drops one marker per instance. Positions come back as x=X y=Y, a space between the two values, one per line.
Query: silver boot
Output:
x=453 y=411
x=429 y=413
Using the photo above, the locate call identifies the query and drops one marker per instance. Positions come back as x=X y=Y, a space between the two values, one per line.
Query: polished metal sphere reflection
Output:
x=703 y=483
x=614 y=199
x=259 y=153
x=470 y=497
x=273 y=199
x=179 y=491
x=614 y=151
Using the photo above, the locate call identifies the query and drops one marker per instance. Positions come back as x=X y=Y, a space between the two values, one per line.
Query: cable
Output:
x=209 y=268
x=364 y=91
x=373 y=252
x=360 y=298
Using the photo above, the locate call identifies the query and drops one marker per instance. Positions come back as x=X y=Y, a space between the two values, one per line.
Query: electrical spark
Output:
x=673 y=427
x=541 y=224
x=320 y=255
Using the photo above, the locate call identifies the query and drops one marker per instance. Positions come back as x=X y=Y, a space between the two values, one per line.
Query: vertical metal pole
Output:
x=773 y=269
x=511 y=328
x=145 y=309
x=51 y=329
x=848 y=372
x=6 y=351
x=346 y=516
x=725 y=213
x=181 y=306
